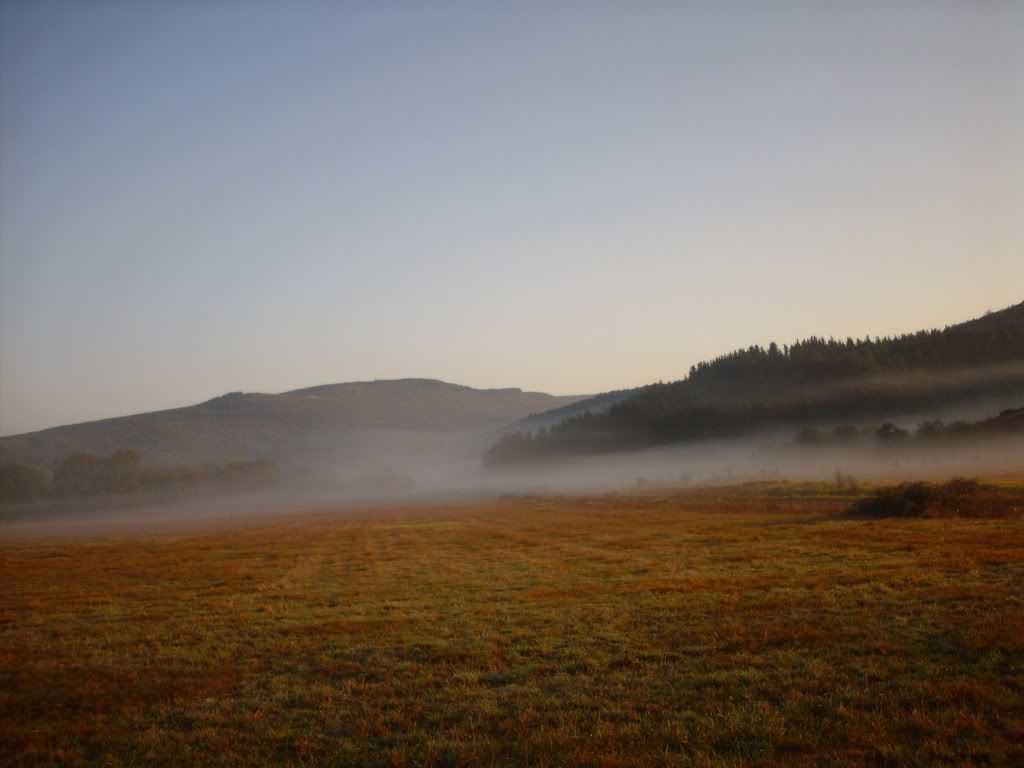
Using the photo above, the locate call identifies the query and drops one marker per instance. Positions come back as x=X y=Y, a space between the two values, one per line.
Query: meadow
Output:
x=733 y=627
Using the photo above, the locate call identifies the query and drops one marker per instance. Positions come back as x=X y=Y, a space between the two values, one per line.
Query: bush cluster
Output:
x=957 y=498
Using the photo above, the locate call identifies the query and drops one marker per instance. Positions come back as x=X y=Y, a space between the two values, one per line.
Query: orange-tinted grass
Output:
x=701 y=629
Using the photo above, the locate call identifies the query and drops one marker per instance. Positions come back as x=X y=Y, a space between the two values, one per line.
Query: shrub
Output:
x=890 y=433
x=957 y=498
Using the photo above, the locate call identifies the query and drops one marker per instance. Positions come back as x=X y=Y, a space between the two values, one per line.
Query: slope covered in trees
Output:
x=809 y=380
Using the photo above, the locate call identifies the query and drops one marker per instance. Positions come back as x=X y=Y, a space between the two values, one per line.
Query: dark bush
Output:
x=957 y=498
x=890 y=433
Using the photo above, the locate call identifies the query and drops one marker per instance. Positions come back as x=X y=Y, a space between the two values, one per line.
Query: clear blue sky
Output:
x=204 y=197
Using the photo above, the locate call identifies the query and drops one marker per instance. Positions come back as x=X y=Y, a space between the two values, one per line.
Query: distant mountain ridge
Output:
x=809 y=380
x=241 y=425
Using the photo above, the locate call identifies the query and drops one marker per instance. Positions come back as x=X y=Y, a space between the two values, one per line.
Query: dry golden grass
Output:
x=702 y=629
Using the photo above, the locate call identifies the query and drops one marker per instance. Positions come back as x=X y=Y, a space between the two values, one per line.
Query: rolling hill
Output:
x=288 y=425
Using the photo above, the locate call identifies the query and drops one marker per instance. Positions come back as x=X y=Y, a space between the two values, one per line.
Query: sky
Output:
x=198 y=198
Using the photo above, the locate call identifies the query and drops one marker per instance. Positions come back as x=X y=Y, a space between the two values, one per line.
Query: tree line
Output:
x=934 y=431
x=85 y=474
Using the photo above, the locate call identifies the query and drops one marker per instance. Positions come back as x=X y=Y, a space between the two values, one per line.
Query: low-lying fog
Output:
x=375 y=469
x=769 y=455
x=387 y=464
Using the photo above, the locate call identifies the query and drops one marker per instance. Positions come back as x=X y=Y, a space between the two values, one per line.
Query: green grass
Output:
x=710 y=628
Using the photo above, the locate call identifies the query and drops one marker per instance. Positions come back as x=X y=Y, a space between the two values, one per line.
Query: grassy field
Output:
x=712 y=628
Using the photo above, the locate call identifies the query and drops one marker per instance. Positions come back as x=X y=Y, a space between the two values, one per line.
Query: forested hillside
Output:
x=994 y=339
x=808 y=380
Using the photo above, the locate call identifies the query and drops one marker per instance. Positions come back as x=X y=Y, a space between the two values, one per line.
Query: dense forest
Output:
x=807 y=381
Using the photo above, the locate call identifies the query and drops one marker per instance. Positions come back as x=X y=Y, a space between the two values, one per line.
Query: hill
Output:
x=246 y=425
x=594 y=405
x=809 y=381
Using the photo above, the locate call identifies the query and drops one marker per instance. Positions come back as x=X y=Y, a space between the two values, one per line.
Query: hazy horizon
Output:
x=197 y=199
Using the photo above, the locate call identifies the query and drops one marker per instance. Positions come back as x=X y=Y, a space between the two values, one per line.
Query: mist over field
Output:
x=377 y=469
x=570 y=385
